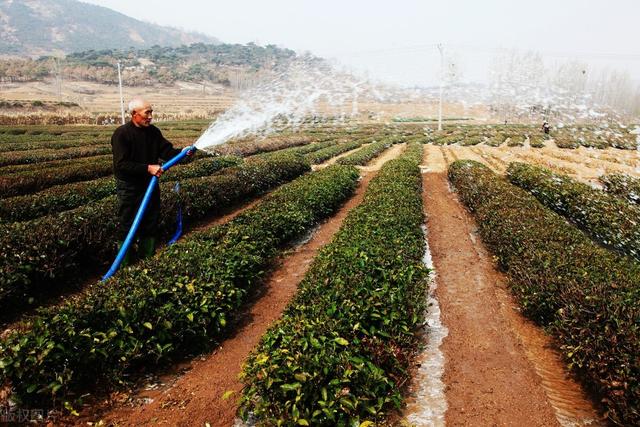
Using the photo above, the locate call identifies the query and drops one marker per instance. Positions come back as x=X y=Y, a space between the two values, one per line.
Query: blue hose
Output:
x=178 y=232
x=143 y=207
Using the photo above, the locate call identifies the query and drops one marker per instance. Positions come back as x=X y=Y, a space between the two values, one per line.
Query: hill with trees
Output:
x=43 y=27
x=199 y=62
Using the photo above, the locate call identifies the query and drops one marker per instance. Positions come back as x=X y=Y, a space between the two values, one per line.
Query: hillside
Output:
x=43 y=27
x=218 y=64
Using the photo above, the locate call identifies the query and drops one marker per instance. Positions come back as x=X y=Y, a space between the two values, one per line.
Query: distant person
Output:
x=138 y=146
x=546 y=128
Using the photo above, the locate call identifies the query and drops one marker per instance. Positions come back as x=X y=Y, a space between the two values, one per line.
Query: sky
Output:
x=397 y=40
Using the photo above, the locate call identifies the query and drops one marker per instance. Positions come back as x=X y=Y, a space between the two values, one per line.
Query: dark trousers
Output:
x=129 y=199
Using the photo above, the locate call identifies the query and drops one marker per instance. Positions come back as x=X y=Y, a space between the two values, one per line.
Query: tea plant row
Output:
x=49 y=154
x=624 y=186
x=365 y=154
x=516 y=135
x=26 y=179
x=42 y=254
x=340 y=354
x=609 y=220
x=586 y=296
x=69 y=196
x=175 y=303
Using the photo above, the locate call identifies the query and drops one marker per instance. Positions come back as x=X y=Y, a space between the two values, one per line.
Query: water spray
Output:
x=287 y=97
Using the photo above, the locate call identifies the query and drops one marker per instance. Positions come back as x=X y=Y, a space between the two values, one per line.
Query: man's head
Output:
x=141 y=112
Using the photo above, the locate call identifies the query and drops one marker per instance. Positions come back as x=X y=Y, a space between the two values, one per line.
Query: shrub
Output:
x=516 y=141
x=341 y=351
x=586 y=296
x=536 y=141
x=69 y=196
x=365 y=154
x=471 y=140
x=174 y=303
x=324 y=154
x=624 y=186
x=48 y=154
x=41 y=177
x=496 y=140
x=606 y=218
x=565 y=141
x=48 y=251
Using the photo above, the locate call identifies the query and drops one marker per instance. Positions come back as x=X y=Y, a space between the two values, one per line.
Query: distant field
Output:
x=181 y=101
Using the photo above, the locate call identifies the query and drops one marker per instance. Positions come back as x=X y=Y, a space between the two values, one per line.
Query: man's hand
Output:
x=155 y=170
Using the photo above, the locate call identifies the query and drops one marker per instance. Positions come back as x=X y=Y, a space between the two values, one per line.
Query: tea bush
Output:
x=340 y=354
x=51 y=250
x=365 y=154
x=172 y=304
x=606 y=218
x=624 y=186
x=587 y=297
x=69 y=196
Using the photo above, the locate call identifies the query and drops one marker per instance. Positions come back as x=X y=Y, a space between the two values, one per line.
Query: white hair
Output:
x=135 y=103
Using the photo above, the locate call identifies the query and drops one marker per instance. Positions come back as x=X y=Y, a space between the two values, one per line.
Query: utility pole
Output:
x=121 y=98
x=440 y=48
x=58 y=72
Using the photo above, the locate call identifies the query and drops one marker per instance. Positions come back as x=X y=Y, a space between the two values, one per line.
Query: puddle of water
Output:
x=425 y=169
x=426 y=404
x=305 y=238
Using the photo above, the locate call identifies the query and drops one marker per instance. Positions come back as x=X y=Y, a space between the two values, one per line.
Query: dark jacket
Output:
x=134 y=148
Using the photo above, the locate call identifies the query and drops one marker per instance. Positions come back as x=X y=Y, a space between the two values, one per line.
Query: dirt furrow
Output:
x=499 y=368
x=333 y=160
x=494 y=162
x=591 y=159
x=197 y=396
x=467 y=153
x=435 y=161
x=612 y=155
x=390 y=153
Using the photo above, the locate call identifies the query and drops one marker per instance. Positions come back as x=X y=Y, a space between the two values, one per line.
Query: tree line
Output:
x=199 y=62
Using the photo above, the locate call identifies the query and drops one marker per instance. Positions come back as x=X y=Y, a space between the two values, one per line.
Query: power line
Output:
x=422 y=48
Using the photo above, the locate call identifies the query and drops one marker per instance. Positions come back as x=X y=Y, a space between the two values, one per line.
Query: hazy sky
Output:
x=396 y=39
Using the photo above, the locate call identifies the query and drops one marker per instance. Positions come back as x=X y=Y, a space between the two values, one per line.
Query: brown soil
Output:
x=581 y=164
x=187 y=100
x=333 y=160
x=195 y=397
x=500 y=369
x=435 y=162
x=391 y=153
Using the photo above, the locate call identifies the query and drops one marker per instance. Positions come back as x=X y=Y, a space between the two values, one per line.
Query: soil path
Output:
x=390 y=153
x=196 y=396
x=435 y=160
x=465 y=153
x=333 y=160
x=500 y=369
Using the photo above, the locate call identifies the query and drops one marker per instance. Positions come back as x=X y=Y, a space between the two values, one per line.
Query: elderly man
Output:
x=138 y=147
